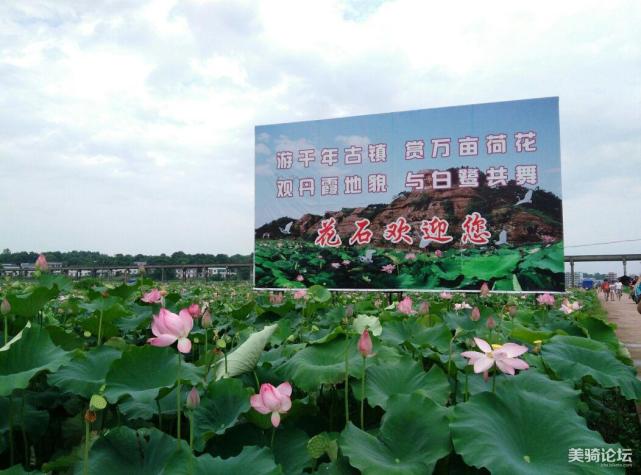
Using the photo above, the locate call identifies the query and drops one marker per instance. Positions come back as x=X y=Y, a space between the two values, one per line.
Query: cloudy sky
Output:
x=128 y=126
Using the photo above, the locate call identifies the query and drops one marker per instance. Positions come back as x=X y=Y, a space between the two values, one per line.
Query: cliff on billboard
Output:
x=379 y=211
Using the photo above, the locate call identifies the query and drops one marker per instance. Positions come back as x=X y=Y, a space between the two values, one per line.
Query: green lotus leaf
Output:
x=244 y=358
x=524 y=429
x=573 y=358
x=35 y=420
x=414 y=435
x=220 y=406
x=151 y=452
x=85 y=374
x=318 y=293
x=490 y=267
x=322 y=364
x=404 y=377
x=141 y=373
x=28 y=304
x=599 y=330
x=125 y=450
x=290 y=450
x=362 y=322
x=27 y=356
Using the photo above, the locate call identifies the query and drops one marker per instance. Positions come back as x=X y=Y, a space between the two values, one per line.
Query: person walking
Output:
x=618 y=289
x=605 y=288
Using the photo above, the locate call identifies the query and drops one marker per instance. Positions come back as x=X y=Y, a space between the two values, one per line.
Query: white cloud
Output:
x=128 y=126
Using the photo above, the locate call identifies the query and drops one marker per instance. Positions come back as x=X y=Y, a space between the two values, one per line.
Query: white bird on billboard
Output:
x=502 y=238
x=367 y=258
x=287 y=228
x=526 y=199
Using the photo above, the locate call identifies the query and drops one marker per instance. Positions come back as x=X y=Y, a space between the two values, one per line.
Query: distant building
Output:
x=578 y=278
x=612 y=276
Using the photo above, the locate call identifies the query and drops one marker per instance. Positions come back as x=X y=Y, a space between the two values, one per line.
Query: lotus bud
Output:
x=512 y=310
x=41 y=263
x=424 y=308
x=5 y=307
x=206 y=320
x=193 y=399
x=475 y=316
x=490 y=323
x=485 y=290
x=365 y=344
x=194 y=310
x=438 y=253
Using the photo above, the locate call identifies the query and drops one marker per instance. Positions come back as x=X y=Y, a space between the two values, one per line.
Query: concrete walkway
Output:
x=624 y=313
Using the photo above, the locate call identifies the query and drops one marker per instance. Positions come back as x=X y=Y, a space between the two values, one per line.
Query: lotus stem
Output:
x=205 y=343
x=273 y=436
x=85 y=463
x=178 y=388
x=347 y=380
x=11 y=448
x=494 y=380
x=100 y=328
x=6 y=330
x=25 y=441
x=191 y=431
x=363 y=394
x=159 y=415
x=257 y=381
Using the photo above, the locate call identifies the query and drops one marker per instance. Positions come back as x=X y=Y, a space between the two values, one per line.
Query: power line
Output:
x=603 y=243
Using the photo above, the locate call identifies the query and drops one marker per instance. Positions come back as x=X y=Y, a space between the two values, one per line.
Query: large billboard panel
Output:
x=432 y=199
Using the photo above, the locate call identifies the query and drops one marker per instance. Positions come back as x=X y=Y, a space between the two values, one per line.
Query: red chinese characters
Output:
x=475 y=230
x=398 y=231
x=362 y=235
x=435 y=230
x=327 y=234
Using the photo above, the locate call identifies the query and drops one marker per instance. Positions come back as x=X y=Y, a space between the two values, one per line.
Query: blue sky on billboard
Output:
x=394 y=130
x=128 y=126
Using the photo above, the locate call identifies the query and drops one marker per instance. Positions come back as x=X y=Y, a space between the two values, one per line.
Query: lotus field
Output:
x=141 y=378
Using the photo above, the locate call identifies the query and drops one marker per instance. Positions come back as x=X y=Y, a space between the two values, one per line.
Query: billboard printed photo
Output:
x=434 y=199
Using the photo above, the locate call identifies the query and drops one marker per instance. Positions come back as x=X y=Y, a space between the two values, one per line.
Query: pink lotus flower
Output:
x=41 y=263
x=504 y=356
x=169 y=327
x=438 y=253
x=475 y=316
x=300 y=278
x=336 y=265
x=275 y=299
x=405 y=306
x=445 y=295
x=410 y=256
x=568 y=308
x=547 y=239
x=153 y=296
x=194 y=310
x=485 y=290
x=389 y=268
x=462 y=306
x=545 y=299
x=193 y=399
x=365 y=344
x=300 y=294
x=273 y=399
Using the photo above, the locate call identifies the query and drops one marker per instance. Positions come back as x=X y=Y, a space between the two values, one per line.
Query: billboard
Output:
x=432 y=199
